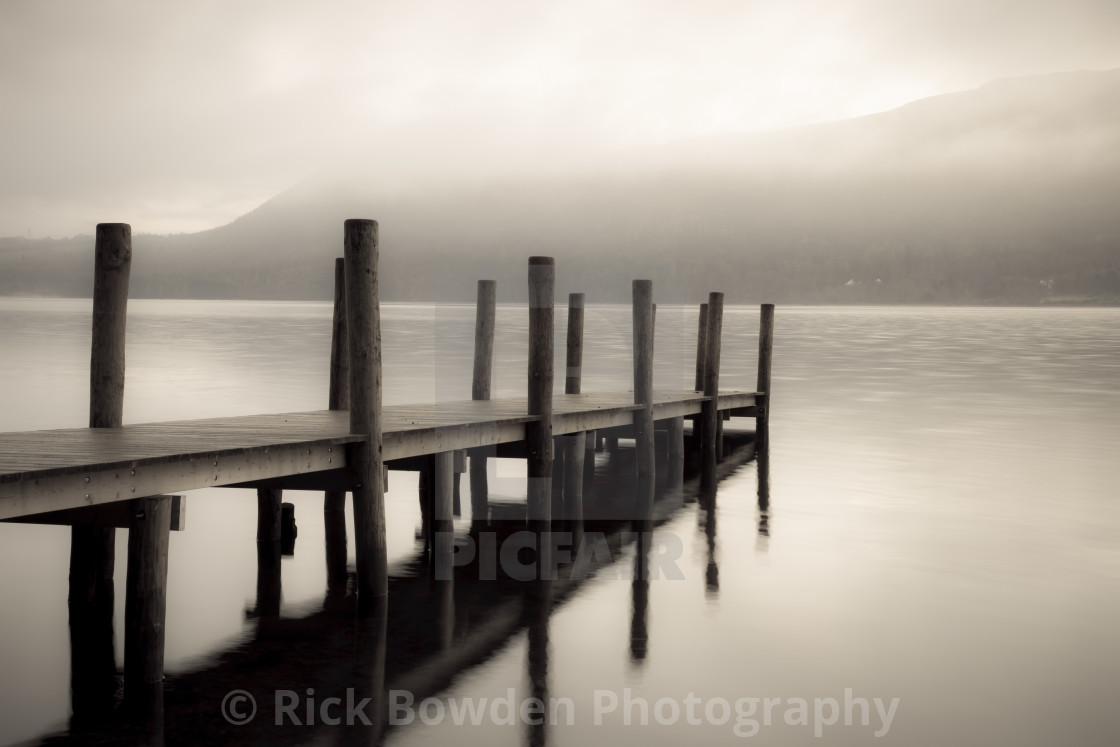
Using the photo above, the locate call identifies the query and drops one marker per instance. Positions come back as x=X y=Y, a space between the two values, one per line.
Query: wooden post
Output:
x=334 y=501
x=443 y=527
x=574 y=376
x=92 y=547
x=542 y=277
x=268 y=552
x=710 y=414
x=484 y=316
x=701 y=347
x=484 y=323
x=574 y=452
x=146 y=600
x=363 y=325
x=765 y=350
x=643 y=395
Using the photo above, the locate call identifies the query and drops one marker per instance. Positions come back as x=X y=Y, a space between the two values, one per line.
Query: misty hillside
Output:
x=1007 y=194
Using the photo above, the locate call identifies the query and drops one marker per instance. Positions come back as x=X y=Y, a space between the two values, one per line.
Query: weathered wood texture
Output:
x=484 y=325
x=47 y=470
x=701 y=347
x=112 y=261
x=146 y=596
x=643 y=376
x=334 y=501
x=542 y=276
x=573 y=377
x=485 y=311
x=765 y=353
x=710 y=416
x=364 y=339
x=92 y=547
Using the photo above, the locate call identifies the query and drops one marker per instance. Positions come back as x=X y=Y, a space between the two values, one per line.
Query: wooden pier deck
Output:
x=111 y=475
x=55 y=470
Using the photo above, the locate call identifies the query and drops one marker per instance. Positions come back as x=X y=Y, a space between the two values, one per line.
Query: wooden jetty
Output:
x=112 y=475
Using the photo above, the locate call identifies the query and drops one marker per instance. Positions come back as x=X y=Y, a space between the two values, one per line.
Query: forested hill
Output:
x=1004 y=194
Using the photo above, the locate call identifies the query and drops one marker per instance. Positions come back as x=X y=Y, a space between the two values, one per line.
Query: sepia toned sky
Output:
x=180 y=117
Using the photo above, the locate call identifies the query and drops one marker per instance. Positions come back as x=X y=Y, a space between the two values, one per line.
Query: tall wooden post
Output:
x=92 y=668
x=710 y=414
x=643 y=395
x=484 y=322
x=574 y=444
x=363 y=325
x=765 y=351
x=334 y=501
x=542 y=278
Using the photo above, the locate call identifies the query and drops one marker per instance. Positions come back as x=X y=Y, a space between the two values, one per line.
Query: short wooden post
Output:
x=484 y=323
x=542 y=277
x=334 y=501
x=643 y=395
x=92 y=547
x=363 y=325
x=710 y=414
x=145 y=605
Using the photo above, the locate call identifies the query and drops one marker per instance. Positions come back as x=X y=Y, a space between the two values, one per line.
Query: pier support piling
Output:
x=484 y=323
x=92 y=547
x=334 y=501
x=710 y=415
x=363 y=325
x=643 y=395
x=542 y=277
x=145 y=606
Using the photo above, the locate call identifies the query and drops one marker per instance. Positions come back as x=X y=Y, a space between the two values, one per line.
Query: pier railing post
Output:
x=92 y=668
x=364 y=340
x=334 y=501
x=710 y=414
x=643 y=395
x=484 y=323
x=574 y=444
x=542 y=278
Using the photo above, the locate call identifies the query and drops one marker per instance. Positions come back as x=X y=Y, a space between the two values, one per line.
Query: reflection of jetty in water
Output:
x=450 y=607
x=430 y=632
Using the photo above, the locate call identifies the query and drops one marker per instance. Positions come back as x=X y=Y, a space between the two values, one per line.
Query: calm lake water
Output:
x=944 y=525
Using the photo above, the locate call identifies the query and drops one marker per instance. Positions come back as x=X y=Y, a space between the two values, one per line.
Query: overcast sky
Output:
x=182 y=116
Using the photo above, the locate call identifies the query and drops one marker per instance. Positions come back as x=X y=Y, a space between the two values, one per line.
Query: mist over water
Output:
x=942 y=525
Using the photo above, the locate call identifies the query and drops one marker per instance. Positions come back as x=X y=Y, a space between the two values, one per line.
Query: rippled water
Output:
x=944 y=525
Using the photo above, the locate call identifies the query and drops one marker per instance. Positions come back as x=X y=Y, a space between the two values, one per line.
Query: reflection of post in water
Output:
x=639 y=591
x=368 y=677
x=763 y=458
x=538 y=606
x=707 y=518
